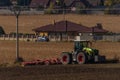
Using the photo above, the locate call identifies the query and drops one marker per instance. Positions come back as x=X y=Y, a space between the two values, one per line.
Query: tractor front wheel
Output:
x=66 y=58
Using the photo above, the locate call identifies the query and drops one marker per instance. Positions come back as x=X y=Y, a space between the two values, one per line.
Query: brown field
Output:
x=62 y=72
x=28 y=22
x=35 y=50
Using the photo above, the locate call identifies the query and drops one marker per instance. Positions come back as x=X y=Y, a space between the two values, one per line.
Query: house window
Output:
x=71 y=35
x=57 y=35
x=63 y=35
x=52 y=35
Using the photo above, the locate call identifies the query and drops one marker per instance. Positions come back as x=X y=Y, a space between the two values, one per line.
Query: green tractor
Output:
x=82 y=54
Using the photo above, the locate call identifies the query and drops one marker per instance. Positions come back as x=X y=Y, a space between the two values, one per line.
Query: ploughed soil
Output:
x=62 y=72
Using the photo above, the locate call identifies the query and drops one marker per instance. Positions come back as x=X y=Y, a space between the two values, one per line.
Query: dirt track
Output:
x=63 y=72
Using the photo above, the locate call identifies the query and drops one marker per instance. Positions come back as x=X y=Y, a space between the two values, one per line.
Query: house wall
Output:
x=86 y=36
x=69 y=36
x=61 y=36
x=54 y=36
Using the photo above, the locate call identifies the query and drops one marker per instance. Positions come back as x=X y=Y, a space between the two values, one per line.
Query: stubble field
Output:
x=40 y=50
x=29 y=22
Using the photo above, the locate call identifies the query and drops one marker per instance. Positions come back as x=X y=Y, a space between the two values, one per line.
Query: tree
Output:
x=117 y=1
x=80 y=9
x=101 y=3
x=50 y=8
x=109 y=3
x=59 y=3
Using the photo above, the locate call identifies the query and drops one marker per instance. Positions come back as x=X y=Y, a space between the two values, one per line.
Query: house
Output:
x=73 y=5
x=96 y=3
x=66 y=4
x=5 y=3
x=24 y=2
x=67 y=31
x=116 y=9
x=39 y=3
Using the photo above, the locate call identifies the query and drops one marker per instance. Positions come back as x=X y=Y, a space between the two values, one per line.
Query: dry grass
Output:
x=27 y=23
x=109 y=49
x=34 y=50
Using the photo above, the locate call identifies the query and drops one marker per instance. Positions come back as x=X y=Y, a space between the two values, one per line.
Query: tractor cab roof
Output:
x=81 y=41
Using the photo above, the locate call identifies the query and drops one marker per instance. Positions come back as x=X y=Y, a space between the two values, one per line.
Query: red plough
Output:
x=52 y=61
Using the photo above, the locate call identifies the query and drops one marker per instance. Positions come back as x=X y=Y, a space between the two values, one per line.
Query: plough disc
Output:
x=52 y=61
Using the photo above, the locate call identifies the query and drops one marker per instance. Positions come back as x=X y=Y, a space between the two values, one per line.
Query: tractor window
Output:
x=85 y=44
x=78 y=46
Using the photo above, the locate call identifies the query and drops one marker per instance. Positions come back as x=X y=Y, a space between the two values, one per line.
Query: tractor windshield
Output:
x=79 y=45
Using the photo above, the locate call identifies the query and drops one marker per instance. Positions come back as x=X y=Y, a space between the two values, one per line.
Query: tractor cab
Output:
x=79 y=45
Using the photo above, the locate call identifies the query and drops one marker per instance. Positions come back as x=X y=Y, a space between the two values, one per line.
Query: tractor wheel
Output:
x=66 y=58
x=81 y=58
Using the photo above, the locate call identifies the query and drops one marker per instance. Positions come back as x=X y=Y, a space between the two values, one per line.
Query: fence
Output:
x=33 y=37
x=8 y=12
x=30 y=11
x=21 y=37
x=108 y=37
x=111 y=38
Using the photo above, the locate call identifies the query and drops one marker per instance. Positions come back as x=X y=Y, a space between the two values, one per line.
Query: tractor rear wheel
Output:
x=66 y=58
x=81 y=58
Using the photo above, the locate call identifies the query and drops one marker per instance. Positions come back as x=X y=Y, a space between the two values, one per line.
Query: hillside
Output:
x=27 y=23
